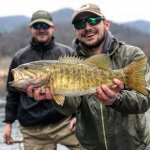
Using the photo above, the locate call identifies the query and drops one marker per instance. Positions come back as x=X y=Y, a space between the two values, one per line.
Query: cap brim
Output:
x=74 y=18
x=42 y=20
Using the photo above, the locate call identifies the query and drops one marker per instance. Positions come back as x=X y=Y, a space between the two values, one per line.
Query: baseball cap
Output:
x=89 y=7
x=41 y=16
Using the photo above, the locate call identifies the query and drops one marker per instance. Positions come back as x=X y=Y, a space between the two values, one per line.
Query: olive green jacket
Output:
x=101 y=127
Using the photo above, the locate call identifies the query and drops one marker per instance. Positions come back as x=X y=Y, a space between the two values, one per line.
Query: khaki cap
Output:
x=89 y=7
x=41 y=16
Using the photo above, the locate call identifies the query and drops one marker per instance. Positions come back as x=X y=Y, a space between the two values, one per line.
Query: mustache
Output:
x=42 y=33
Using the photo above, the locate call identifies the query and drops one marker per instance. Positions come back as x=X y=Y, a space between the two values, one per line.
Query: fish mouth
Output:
x=16 y=74
x=19 y=84
x=23 y=79
x=19 y=81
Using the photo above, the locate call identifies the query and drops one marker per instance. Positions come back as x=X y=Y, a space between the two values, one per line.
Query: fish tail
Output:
x=135 y=78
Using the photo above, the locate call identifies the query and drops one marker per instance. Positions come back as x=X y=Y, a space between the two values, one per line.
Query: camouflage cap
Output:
x=89 y=7
x=41 y=16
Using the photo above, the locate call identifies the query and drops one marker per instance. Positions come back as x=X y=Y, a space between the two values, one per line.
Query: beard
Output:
x=96 y=44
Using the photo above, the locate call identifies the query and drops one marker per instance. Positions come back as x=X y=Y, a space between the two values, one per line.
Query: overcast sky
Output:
x=115 y=10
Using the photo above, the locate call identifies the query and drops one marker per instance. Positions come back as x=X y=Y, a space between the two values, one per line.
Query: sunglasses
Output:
x=40 y=25
x=91 y=20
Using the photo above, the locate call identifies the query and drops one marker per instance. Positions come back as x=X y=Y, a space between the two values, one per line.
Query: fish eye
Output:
x=26 y=67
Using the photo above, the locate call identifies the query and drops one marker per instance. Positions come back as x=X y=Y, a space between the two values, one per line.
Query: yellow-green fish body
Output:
x=71 y=76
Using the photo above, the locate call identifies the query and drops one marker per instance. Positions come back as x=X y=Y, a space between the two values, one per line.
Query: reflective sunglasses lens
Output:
x=91 y=20
x=45 y=26
x=94 y=20
x=80 y=24
x=38 y=26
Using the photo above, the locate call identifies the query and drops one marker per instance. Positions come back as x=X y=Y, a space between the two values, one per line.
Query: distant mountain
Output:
x=63 y=15
x=141 y=25
x=11 y=23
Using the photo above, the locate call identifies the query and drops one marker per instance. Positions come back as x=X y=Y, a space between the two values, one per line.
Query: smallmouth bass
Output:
x=72 y=76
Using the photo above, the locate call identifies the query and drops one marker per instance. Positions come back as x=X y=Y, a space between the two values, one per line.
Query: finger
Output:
x=73 y=129
x=48 y=94
x=119 y=83
x=11 y=140
x=30 y=91
x=101 y=95
x=72 y=126
x=38 y=95
x=8 y=140
x=113 y=87
x=110 y=94
x=106 y=96
x=5 y=139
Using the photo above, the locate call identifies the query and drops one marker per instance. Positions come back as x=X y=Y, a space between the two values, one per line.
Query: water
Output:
x=17 y=135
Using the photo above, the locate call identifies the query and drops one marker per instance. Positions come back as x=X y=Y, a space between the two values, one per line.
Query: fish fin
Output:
x=59 y=99
x=135 y=75
x=70 y=59
x=101 y=61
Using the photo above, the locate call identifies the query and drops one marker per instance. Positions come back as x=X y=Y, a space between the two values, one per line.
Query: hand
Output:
x=37 y=95
x=72 y=124
x=108 y=94
x=7 y=134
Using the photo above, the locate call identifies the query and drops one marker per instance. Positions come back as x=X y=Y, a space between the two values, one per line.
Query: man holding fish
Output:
x=108 y=87
x=114 y=119
x=41 y=124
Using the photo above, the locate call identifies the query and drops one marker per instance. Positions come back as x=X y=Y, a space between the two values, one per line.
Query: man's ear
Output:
x=107 y=24
x=75 y=30
x=53 y=27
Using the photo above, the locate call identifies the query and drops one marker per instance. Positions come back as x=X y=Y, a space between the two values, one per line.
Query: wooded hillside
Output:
x=13 y=41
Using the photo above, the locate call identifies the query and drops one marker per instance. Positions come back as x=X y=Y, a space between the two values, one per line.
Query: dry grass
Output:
x=4 y=66
x=5 y=63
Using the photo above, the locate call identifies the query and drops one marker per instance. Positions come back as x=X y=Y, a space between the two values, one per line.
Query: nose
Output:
x=87 y=26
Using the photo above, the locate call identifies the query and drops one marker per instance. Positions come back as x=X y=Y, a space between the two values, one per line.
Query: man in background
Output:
x=42 y=125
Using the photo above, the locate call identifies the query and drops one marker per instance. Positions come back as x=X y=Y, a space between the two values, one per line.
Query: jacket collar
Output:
x=110 y=45
x=42 y=46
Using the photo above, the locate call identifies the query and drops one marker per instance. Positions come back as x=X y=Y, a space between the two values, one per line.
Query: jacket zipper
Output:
x=42 y=54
